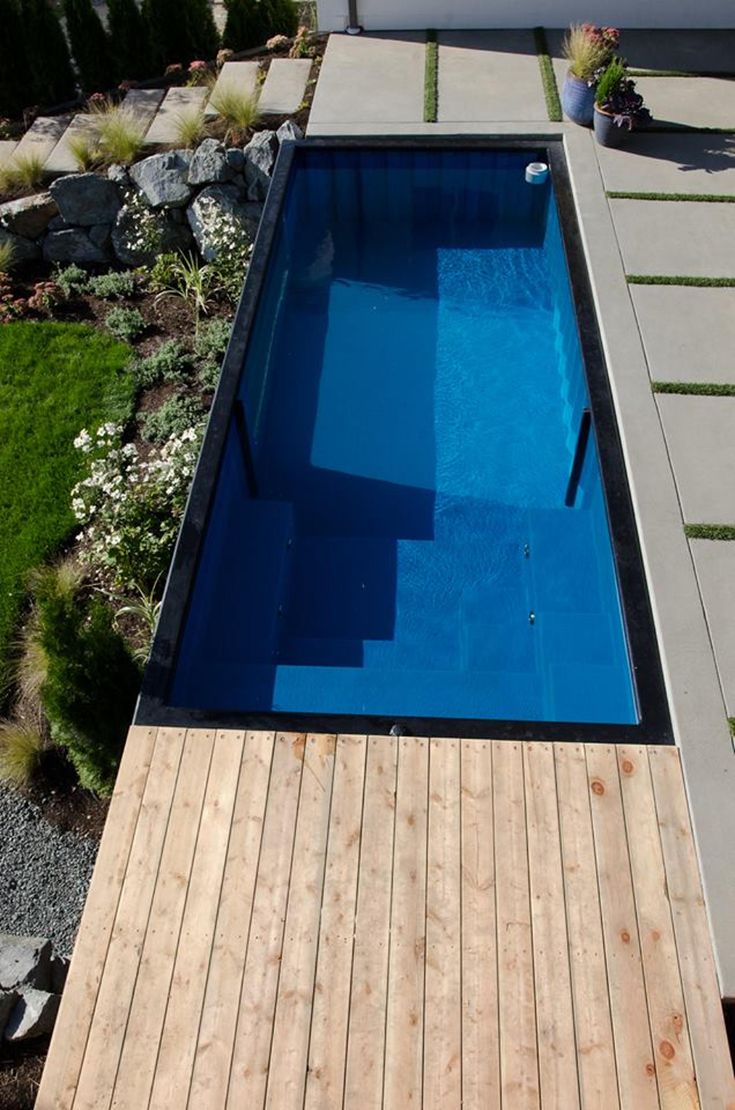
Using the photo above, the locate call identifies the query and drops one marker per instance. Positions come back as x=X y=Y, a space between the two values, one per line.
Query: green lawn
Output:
x=54 y=380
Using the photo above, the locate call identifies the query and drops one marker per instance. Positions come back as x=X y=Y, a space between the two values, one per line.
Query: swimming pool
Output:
x=407 y=518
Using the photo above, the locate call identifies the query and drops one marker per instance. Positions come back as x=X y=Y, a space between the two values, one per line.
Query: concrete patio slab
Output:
x=284 y=86
x=143 y=104
x=176 y=103
x=715 y=563
x=489 y=75
x=688 y=334
x=7 y=146
x=670 y=237
x=692 y=101
x=41 y=138
x=699 y=435
x=678 y=163
x=240 y=76
x=371 y=78
x=61 y=159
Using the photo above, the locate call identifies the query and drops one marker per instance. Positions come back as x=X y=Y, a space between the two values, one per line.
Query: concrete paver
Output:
x=177 y=102
x=41 y=138
x=715 y=563
x=489 y=75
x=670 y=237
x=689 y=51
x=678 y=163
x=241 y=76
x=371 y=78
x=61 y=159
x=693 y=101
x=688 y=334
x=699 y=435
x=143 y=104
x=284 y=86
x=7 y=146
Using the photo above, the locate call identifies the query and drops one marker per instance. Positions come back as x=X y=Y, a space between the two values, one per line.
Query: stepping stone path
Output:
x=7 y=146
x=285 y=85
x=41 y=138
x=143 y=104
x=177 y=102
x=663 y=237
x=489 y=75
x=61 y=159
x=242 y=76
x=670 y=163
x=688 y=334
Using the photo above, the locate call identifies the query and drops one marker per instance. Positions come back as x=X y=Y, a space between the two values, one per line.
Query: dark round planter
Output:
x=578 y=100
x=607 y=131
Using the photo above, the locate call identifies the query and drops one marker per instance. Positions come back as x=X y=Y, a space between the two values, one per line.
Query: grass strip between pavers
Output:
x=55 y=379
x=431 y=79
x=701 y=198
x=548 y=78
x=696 y=389
x=709 y=531
x=681 y=279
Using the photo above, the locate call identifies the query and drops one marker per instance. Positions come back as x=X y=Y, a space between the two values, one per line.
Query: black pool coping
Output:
x=654 y=725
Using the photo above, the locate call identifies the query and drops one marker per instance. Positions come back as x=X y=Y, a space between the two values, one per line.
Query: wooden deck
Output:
x=292 y=921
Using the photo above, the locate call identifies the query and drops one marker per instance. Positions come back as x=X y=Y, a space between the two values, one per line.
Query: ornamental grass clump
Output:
x=21 y=174
x=238 y=109
x=616 y=96
x=7 y=255
x=589 y=49
x=129 y=506
x=21 y=752
x=119 y=134
x=189 y=128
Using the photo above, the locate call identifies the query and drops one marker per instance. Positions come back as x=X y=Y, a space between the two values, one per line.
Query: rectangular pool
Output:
x=407 y=518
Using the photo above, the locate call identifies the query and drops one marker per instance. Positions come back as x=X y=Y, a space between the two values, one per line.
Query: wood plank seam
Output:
x=293 y=843
x=70 y=1083
x=461 y=923
x=426 y=907
x=154 y=885
x=673 y=926
x=566 y=920
x=390 y=906
x=252 y=902
x=530 y=920
x=153 y=901
x=602 y=923
x=353 y=902
x=651 y=1026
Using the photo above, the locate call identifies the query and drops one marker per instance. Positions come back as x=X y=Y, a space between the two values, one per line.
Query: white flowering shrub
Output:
x=226 y=243
x=130 y=505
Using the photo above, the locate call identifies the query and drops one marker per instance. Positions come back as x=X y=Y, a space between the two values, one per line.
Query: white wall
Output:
x=403 y=15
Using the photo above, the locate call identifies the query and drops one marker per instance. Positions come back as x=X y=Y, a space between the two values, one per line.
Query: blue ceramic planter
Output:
x=607 y=131
x=578 y=100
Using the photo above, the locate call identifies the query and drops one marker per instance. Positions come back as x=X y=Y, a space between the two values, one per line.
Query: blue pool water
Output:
x=412 y=396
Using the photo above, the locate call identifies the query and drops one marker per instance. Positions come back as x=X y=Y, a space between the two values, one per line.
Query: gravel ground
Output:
x=44 y=873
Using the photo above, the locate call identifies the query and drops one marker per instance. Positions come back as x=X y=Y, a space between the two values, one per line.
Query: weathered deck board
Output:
x=365 y=922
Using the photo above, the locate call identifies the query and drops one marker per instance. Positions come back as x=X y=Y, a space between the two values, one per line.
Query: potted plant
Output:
x=589 y=50
x=618 y=107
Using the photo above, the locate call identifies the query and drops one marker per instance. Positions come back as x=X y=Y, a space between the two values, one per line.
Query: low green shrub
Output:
x=211 y=343
x=175 y=415
x=170 y=362
x=21 y=750
x=125 y=324
x=163 y=271
x=71 y=279
x=91 y=683
x=114 y=285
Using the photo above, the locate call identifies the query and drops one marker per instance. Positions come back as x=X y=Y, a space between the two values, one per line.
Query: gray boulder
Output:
x=260 y=158
x=33 y=1015
x=205 y=218
x=100 y=235
x=235 y=159
x=289 y=132
x=28 y=216
x=118 y=174
x=162 y=178
x=24 y=250
x=72 y=245
x=163 y=232
x=209 y=164
x=7 y=1003
x=86 y=198
x=24 y=961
